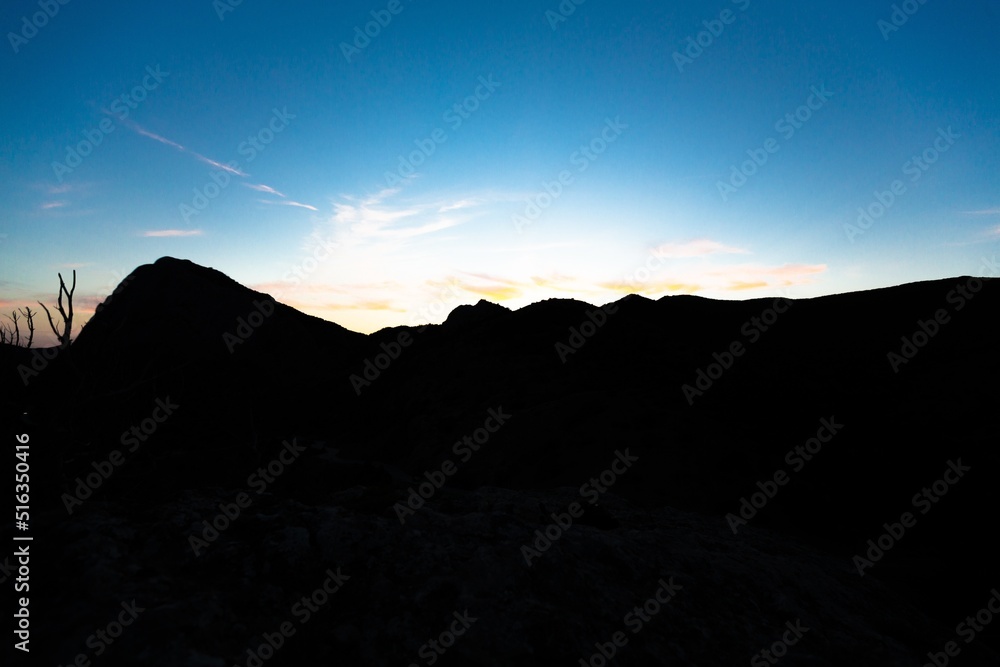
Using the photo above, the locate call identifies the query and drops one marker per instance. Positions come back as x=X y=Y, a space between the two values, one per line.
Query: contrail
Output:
x=138 y=129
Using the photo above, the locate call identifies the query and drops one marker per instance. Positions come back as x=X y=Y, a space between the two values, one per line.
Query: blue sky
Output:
x=591 y=153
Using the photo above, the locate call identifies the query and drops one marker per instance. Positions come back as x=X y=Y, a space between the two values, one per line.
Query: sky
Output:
x=378 y=162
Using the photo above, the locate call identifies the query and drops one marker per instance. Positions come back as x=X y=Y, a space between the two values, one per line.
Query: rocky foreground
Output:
x=333 y=576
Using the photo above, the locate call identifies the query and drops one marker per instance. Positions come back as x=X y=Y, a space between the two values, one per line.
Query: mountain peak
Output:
x=482 y=311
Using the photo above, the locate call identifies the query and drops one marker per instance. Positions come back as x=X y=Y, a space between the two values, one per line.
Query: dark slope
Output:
x=824 y=358
x=579 y=383
x=246 y=373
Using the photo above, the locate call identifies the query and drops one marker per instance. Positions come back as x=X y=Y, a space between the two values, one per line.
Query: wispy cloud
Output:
x=410 y=232
x=458 y=205
x=63 y=188
x=405 y=238
x=60 y=199
x=378 y=255
x=696 y=248
x=260 y=187
x=288 y=202
x=171 y=233
x=988 y=211
x=377 y=217
x=532 y=247
x=138 y=129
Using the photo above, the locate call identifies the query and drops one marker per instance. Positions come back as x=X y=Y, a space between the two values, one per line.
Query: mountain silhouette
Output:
x=755 y=448
x=482 y=311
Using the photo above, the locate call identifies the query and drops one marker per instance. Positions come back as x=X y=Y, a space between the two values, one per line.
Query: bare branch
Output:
x=66 y=336
x=30 y=318
x=16 y=338
x=51 y=323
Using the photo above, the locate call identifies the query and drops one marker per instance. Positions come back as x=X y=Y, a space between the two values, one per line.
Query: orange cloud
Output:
x=495 y=292
x=740 y=285
x=789 y=274
x=696 y=248
x=654 y=287
x=363 y=305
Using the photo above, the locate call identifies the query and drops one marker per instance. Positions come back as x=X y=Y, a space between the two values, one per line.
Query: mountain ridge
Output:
x=711 y=396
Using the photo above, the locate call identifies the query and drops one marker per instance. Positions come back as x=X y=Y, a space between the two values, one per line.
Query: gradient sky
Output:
x=330 y=203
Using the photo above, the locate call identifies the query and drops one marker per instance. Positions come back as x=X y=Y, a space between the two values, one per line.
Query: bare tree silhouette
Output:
x=13 y=335
x=8 y=335
x=29 y=317
x=67 y=316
